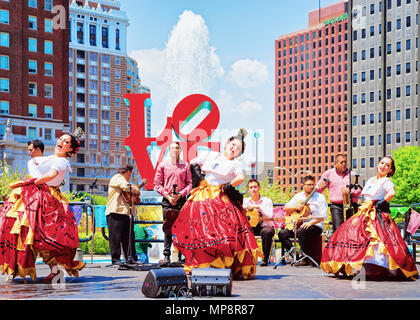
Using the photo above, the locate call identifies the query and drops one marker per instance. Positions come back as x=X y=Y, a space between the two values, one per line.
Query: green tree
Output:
x=274 y=192
x=7 y=177
x=407 y=177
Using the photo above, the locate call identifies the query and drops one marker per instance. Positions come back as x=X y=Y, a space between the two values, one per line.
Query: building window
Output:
x=4 y=39
x=117 y=39
x=92 y=35
x=48 y=134
x=4 y=107
x=32 y=110
x=48 y=69
x=408 y=136
x=105 y=37
x=4 y=85
x=32 y=3
x=32 y=23
x=48 y=112
x=4 y=62
x=32 y=45
x=48 y=90
x=48 y=25
x=48 y=47
x=80 y=33
x=32 y=133
x=32 y=66
x=48 y=5
x=4 y=16
x=398 y=137
x=32 y=89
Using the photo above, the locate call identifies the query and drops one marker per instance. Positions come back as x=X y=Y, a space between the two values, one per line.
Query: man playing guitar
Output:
x=312 y=224
x=265 y=227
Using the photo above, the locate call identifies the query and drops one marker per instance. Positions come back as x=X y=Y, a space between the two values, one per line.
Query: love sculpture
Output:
x=181 y=118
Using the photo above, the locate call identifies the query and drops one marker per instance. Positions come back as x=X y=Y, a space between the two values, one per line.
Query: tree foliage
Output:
x=7 y=177
x=407 y=175
x=274 y=192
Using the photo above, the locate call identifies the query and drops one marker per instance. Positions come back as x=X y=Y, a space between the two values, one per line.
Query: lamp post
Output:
x=256 y=136
x=293 y=176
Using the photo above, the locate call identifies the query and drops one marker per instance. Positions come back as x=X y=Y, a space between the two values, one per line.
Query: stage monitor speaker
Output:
x=211 y=282
x=160 y=283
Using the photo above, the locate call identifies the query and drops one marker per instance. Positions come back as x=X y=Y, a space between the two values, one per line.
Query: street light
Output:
x=256 y=136
x=293 y=176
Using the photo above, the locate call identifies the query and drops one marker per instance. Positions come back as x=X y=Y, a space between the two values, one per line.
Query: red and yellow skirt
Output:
x=211 y=232
x=364 y=239
x=36 y=220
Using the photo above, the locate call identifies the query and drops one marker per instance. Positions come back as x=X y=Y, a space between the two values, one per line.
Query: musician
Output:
x=118 y=215
x=173 y=182
x=264 y=206
x=313 y=224
x=337 y=184
x=35 y=149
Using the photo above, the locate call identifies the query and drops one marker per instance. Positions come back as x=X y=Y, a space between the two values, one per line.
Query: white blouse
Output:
x=218 y=169
x=41 y=165
x=377 y=189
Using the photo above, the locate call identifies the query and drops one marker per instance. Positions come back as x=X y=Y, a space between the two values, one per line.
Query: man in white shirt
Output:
x=264 y=206
x=35 y=149
x=312 y=225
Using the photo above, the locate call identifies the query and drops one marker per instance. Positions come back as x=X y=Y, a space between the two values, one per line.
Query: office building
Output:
x=311 y=85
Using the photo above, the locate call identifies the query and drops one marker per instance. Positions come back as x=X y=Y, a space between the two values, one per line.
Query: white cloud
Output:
x=152 y=67
x=248 y=73
x=247 y=107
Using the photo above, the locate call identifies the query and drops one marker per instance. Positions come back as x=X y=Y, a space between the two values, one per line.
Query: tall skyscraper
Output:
x=311 y=83
x=98 y=80
x=34 y=48
x=384 y=80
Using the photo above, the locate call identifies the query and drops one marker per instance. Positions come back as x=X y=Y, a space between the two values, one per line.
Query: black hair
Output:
x=74 y=144
x=125 y=168
x=393 y=168
x=37 y=144
x=306 y=178
x=253 y=180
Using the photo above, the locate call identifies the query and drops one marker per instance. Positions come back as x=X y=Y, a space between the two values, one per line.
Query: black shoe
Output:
x=302 y=263
x=263 y=263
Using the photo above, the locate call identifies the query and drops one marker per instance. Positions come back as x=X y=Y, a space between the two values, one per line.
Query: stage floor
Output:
x=99 y=281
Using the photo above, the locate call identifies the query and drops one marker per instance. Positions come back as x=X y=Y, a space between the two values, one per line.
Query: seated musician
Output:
x=118 y=215
x=173 y=182
x=312 y=225
x=264 y=206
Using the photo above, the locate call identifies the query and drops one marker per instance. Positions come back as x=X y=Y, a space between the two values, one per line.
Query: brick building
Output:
x=34 y=46
x=311 y=82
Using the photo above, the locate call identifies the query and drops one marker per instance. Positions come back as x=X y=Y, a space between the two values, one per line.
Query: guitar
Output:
x=254 y=218
x=170 y=215
x=299 y=216
x=135 y=198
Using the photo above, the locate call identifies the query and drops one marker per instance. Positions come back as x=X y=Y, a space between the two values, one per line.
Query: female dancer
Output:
x=212 y=229
x=370 y=239
x=36 y=219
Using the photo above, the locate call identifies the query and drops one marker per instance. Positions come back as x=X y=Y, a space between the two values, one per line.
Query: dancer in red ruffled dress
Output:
x=370 y=241
x=36 y=219
x=212 y=229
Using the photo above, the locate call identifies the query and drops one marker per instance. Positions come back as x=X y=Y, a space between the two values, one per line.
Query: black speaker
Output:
x=160 y=283
x=211 y=282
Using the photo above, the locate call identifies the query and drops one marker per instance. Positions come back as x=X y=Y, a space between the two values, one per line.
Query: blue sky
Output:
x=241 y=37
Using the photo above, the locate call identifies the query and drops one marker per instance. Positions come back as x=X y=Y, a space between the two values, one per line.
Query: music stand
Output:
x=293 y=251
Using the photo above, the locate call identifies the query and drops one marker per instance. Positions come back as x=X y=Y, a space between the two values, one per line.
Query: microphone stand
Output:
x=130 y=264
x=93 y=187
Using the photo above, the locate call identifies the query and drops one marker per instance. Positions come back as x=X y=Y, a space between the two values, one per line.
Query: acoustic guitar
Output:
x=254 y=218
x=299 y=216
x=170 y=215
x=135 y=198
